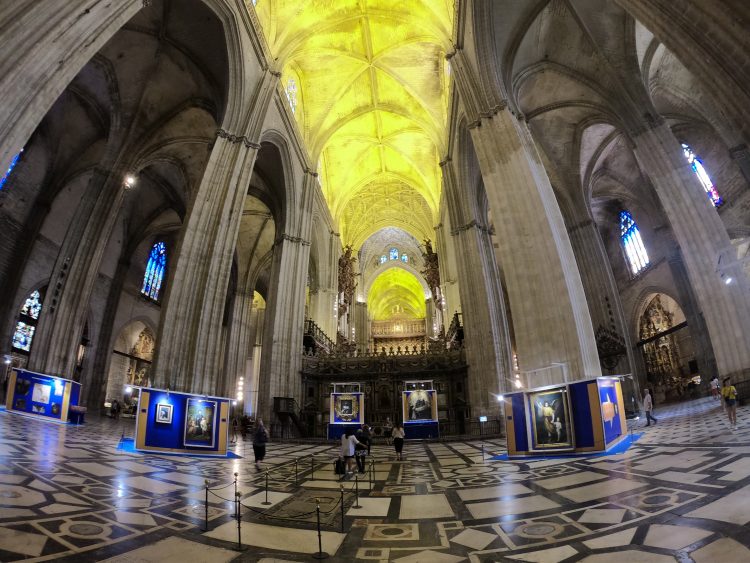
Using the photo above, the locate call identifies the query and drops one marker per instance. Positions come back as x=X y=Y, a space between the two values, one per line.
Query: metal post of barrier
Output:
x=356 y=492
x=342 y=509
x=312 y=467
x=320 y=554
x=372 y=471
x=482 y=452
x=265 y=502
x=205 y=528
x=239 y=521
x=296 y=471
x=235 y=484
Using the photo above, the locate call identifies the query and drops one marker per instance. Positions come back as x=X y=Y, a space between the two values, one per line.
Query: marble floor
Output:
x=681 y=493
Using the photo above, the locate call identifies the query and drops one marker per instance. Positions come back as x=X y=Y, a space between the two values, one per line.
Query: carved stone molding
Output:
x=232 y=138
x=470 y=225
x=290 y=238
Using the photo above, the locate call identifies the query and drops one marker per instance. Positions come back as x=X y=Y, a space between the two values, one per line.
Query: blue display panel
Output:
x=581 y=407
x=181 y=422
x=42 y=395
x=518 y=409
x=608 y=397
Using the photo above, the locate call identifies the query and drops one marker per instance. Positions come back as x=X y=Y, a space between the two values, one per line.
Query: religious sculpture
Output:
x=347 y=280
x=431 y=272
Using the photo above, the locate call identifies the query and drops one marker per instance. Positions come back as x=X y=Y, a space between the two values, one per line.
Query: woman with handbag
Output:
x=349 y=443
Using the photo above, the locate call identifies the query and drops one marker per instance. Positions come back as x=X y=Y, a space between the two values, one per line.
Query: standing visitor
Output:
x=259 y=443
x=349 y=443
x=235 y=426
x=729 y=392
x=398 y=440
x=715 y=388
x=115 y=409
x=648 y=406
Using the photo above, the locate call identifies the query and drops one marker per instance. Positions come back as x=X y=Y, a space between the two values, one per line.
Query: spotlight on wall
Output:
x=500 y=398
x=234 y=403
x=728 y=281
x=518 y=383
x=129 y=180
x=128 y=389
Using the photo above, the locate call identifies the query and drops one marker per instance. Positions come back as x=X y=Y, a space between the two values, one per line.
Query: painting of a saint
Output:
x=419 y=405
x=199 y=423
x=551 y=423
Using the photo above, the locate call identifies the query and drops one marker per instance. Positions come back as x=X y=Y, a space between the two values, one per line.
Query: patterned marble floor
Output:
x=682 y=493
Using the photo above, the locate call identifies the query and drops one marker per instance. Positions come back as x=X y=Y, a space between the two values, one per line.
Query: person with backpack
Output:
x=729 y=392
x=260 y=439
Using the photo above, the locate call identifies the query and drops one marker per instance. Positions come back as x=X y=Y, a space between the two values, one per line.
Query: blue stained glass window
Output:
x=383 y=259
x=13 y=163
x=404 y=258
x=33 y=305
x=393 y=253
x=154 y=276
x=700 y=171
x=23 y=336
x=632 y=242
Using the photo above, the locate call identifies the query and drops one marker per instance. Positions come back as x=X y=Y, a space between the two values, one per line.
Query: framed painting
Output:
x=200 y=421
x=41 y=393
x=164 y=413
x=550 y=419
x=346 y=408
x=419 y=405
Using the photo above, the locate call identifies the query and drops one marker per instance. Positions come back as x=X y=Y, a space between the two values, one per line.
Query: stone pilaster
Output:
x=282 y=347
x=238 y=344
x=708 y=255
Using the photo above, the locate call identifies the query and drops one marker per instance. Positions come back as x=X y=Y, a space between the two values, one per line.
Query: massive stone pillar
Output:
x=74 y=273
x=551 y=321
x=487 y=340
x=45 y=44
x=190 y=331
x=719 y=283
x=252 y=377
x=361 y=326
x=613 y=339
x=238 y=344
x=282 y=346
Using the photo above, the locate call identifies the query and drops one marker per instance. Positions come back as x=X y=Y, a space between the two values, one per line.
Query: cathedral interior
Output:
x=272 y=201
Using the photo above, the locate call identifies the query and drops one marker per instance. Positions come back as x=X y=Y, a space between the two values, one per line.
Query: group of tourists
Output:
x=724 y=392
x=355 y=446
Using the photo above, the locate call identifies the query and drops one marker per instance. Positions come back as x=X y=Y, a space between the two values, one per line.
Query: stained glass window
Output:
x=23 y=336
x=697 y=165
x=404 y=258
x=13 y=163
x=383 y=259
x=154 y=276
x=33 y=305
x=394 y=254
x=632 y=242
x=291 y=94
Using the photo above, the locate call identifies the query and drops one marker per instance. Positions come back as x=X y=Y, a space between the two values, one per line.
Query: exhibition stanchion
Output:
x=235 y=486
x=296 y=470
x=312 y=467
x=342 y=508
x=239 y=522
x=266 y=502
x=372 y=471
x=320 y=554
x=205 y=527
x=482 y=452
x=356 y=492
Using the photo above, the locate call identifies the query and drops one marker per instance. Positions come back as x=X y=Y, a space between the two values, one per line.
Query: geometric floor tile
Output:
x=546 y=555
x=612 y=540
x=134 y=518
x=673 y=537
x=175 y=550
x=22 y=542
x=429 y=556
x=723 y=550
x=602 y=516
x=475 y=539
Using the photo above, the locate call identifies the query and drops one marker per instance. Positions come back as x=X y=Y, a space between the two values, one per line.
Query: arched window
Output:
x=393 y=254
x=26 y=325
x=632 y=242
x=291 y=94
x=154 y=276
x=383 y=259
x=404 y=258
x=700 y=171
x=13 y=163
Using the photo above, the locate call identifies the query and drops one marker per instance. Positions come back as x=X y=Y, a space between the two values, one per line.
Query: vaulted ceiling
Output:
x=370 y=90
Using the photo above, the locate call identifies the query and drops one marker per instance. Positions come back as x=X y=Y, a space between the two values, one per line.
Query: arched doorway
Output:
x=131 y=360
x=667 y=347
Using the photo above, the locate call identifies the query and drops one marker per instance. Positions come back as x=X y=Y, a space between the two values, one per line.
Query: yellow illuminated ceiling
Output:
x=396 y=293
x=372 y=101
